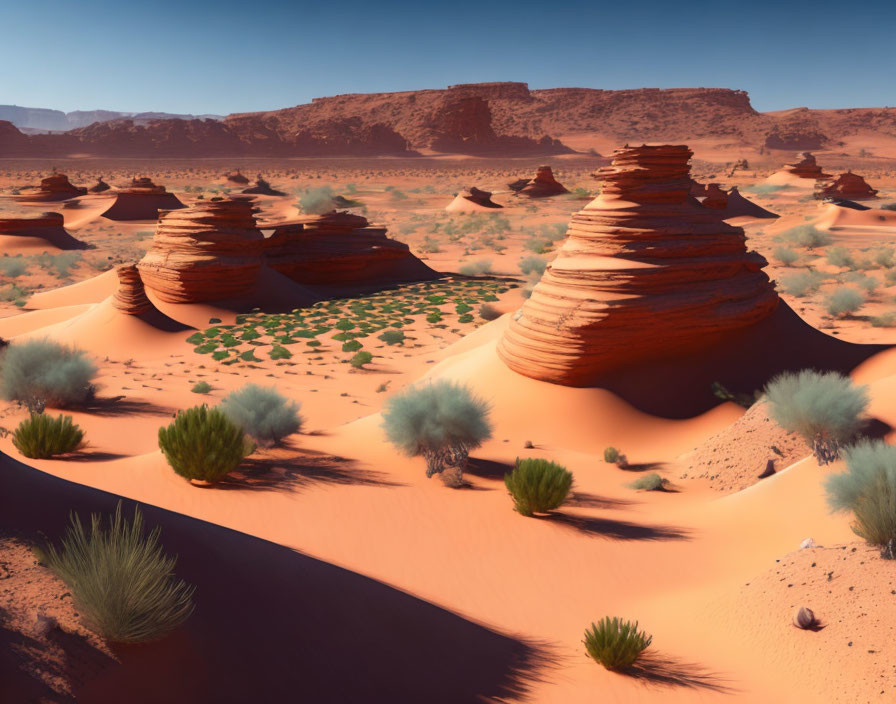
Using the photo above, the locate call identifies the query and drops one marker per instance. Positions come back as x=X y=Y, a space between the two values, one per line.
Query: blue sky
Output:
x=220 y=57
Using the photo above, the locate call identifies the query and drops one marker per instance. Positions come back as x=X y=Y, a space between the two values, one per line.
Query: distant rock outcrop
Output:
x=542 y=185
x=236 y=177
x=130 y=296
x=643 y=273
x=848 y=185
x=142 y=200
x=48 y=227
x=99 y=187
x=262 y=188
x=472 y=200
x=806 y=167
x=52 y=188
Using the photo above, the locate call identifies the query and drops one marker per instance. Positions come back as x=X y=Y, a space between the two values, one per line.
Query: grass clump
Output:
x=801 y=283
x=611 y=455
x=42 y=373
x=884 y=320
x=360 y=359
x=201 y=387
x=533 y=266
x=441 y=421
x=844 y=301
x=806 y=236
x=615 y=643
x=203 y=444
x=537 y=486
x=840 y=256
x=649 y=482
x=825 y=409
x=392 y=337
x=13 y=267
x=868 y=490
x=786 y=256
x=40 y=436
x=262 y=413
x=477 y=268
x=317 y=201
x=122 y=582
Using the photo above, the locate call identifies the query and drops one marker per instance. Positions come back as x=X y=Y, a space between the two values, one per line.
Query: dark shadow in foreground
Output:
x=656 y=668
x=617 y=530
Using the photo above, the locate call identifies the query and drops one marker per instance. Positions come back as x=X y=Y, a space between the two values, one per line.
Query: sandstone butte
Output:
x=848 y=185
x=806 y=167
x=728 y=204
x=142 y=200
x=130 y=296
x=644 y=272
x=542 y=185
x=49 y=227
x=340 y=249
x=209 y=251
x=236 y=177
x=472 y=200
x=99 y=187
x=262 y=188
x=52 y=188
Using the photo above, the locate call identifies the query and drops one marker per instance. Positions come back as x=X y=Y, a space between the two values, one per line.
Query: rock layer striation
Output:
x=52 y=188
x=806 y=167
x=142 y=200
x=130 y=296
x=542 y=185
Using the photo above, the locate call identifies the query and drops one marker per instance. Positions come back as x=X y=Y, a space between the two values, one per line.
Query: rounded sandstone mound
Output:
x=46 y=229
x=644 y=271
x=472 y=200
x=542 y=185
x=52 y=188
x=207 y=252
x=143 y=200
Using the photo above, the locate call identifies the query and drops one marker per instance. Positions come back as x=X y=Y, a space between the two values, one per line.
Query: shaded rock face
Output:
x=715 y=197
x=142 y=200
x=46 y=226
x=99 y=187
x=236 y=177
x=806 y=167
x=262 y=188
x=644 y=272
x=207 y=252
x=341 y=248
x=52 y=188
x=472 y=196
x=848 y=185
x=542 y=185
x=130 y=297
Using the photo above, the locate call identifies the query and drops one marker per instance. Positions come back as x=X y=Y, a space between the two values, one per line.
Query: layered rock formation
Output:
x=643 y=274
x=99 y=187
x=236 y=177
x=207 y=252
x=49 y=227
x=542 y=185
x=262 y=188
x=142 y=200
x=472 y=200
x=52 y=188
x=130 y=296
x=849 y=185
x=806 y=167
x=738 y=206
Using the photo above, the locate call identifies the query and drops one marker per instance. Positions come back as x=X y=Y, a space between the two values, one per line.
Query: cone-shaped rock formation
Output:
x=542 y=185
x=49 y=227
x=714 y=197
x=262 y=188
x=644 y=272
x=52 y=188
x=207 y=252
x=141 y=201
x=130 y=296
x=848 y=185
x=99 y=187
x=236 y=177
x=806 y=167
x=472 y=200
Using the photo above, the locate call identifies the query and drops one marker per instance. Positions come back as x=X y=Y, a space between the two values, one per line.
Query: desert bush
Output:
x=430 y=245
x=477 y=268
x=884 y=320
x=201 y=387
x=806 y=236
x=489 y=312
x=533 y=266
x=825 y=409
x=840 y=256
x=888 y=206
x=41 y=436
x=616 y=644
x=122 y=583
x=786 y=256
x=360 y=359
x=884 y=257
x=13 y=267
x=317 y=201
x=649 y=482
x=442 y=421
x=537 y=486
x=868 y=490
x=351 y=346
x=868 y=284
x=801 y=283
x=262 y=413
x=844 y=301
x=203 y=444
x=392 y=337
x=42 y=373
x=611 y=455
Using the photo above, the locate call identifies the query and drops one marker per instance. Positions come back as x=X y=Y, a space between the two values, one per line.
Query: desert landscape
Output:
x=483 y=393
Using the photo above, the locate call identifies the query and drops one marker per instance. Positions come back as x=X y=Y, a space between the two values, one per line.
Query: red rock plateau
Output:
x=52 y=188
x=542 y=185
x=472 y=200
x=238 y=178
x=46 y=228
x=143 y=200
x=208 y=252
x=643 y=273
x=130 y=296
x=341 y=249
x=847 y=185
x=262 y=188
x=806 y=167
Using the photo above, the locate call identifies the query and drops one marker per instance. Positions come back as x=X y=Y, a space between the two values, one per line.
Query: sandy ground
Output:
x=705 y=571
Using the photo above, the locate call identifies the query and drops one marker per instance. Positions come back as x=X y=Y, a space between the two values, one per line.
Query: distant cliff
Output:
x=44 y=119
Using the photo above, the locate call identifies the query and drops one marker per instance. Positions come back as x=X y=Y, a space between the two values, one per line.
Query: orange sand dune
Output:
x=15 y=244
x=89 y=291
x=27 y=322
x=89 y=210
x=873 y=220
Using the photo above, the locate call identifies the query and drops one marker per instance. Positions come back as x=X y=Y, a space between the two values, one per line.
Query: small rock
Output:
x=803 y=618
x=43 y=624
x=888 y=551
x=807 y=543
x=528 y=445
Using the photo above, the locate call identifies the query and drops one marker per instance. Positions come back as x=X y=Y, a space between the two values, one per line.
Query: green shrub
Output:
x=279 y=352
x=360 y=359
x=203 y=444
x=317 y=201
x=393 y=337
x=40 y=436
x=825 y=409
x=884 y=320
x=537 y=486
x=477 y=268
x=884 y=257
x=489 y=312
x=42 y=373
x=616 y=644
x=13 y=267
x=840 y=256
x=201 y=387
x=802 y=283
x=611 y=454
x=649 y=482
x=263 y=414
x=122 y=583
x=868 y=490
x=844 y=301
x=806 y=236
x=442 y=421
x=786 y=256
x=351 y=346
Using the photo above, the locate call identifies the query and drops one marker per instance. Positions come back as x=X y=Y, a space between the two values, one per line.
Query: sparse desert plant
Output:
x=868 y=490
x=844 y=301
x=351 y=346
x=360 y=359
x=201 y=387
x=264 y=414
x=884 y=320
x=807 y=236
x=317 y=201
x=840 y=256
x=489 y=312
x=41 y=373
x=786 y=256
x=40 y=436
x=611 y=455
x=649 y=482
x=477 y=268
x=203 y=444
x=392 y=337
x=534 y=266
x=884 y=257
x=868 y=284
x=825 y=408
x=801 y=283
x=442 y=421
x=121 y=581
x=537 y=486
x=13 y=267
x=615 y=643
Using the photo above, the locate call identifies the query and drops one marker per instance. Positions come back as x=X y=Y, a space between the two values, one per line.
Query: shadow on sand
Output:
x=617 y=530
x=664 y=670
